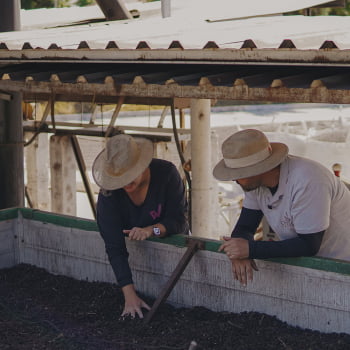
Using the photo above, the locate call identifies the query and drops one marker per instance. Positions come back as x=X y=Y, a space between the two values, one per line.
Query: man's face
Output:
x=250 y=183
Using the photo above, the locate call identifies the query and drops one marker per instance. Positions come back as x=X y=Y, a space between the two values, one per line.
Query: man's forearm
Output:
x=293 y=247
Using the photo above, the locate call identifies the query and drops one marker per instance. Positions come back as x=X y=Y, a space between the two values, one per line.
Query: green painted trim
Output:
x=317 y=263
x=60 y=220
x=8 y=214
x=323 y=264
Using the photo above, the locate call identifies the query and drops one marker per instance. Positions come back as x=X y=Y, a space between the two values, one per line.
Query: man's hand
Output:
x=139 y=233
x=243 y=270
x=133 y=304
x=235 y=248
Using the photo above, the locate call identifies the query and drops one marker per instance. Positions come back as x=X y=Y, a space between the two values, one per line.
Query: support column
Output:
x=63 y=176
x=10 y=15
x=166 y=8
x=11 y=152
x=114 y=9
x=37 y=166
x=201 y=168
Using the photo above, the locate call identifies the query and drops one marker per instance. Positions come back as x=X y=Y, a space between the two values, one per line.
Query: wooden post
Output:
x=10 y=18
x=37 y=170
x=166 y=8
x=11 y=153
x=63 y=176
x=114 y=9
x=201 y=167
x=218 y=226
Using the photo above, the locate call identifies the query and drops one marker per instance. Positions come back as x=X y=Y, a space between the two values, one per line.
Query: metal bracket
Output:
x=192 y=246
x=5 y=96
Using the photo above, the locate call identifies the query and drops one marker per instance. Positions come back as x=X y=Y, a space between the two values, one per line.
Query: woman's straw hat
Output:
x=122 y=161
x=248 y=153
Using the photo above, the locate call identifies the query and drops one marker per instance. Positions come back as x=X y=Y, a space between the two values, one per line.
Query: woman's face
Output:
x=133 y=185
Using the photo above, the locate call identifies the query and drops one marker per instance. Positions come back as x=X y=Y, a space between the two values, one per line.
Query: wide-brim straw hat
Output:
x=122 y=161
x=248 y=153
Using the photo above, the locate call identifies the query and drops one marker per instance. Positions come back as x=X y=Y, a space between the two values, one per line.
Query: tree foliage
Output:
x=325 y=11
x=85 y=2
x=36 y=4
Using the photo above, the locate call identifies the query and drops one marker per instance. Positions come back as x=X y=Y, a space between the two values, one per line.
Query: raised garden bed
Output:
x=39 y=310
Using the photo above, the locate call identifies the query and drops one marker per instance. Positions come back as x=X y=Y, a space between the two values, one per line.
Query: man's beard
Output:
x=249 y=189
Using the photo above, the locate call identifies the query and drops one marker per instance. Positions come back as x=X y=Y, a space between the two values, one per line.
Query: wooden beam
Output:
x=239 y=92
x=98 y=132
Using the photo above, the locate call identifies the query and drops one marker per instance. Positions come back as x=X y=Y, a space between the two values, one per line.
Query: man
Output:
x=140 y=197
x=303 y=202
x=336 y=167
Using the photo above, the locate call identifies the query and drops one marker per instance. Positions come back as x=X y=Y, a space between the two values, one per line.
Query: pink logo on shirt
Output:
x=156 y=214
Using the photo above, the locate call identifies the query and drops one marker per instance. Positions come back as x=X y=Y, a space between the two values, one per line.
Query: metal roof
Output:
x=277 y=58
x=280 y=75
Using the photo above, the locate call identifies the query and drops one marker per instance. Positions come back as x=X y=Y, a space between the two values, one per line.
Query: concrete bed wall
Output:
x=8 y=238
x=308 y=297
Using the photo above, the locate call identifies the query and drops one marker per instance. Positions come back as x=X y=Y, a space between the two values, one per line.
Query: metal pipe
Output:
x=83 y=172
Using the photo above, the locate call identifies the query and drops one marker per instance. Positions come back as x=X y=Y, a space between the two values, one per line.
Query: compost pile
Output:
x=39 y=310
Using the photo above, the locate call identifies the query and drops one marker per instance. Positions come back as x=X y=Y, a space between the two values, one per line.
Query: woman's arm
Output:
x=110 y=227
x=175 y=218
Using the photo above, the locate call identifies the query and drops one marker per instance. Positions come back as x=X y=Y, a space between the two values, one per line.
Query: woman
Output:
x=140 y=197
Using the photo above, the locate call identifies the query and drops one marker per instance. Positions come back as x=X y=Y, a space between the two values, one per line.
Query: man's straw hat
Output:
x=248 y=153
x=122 y=161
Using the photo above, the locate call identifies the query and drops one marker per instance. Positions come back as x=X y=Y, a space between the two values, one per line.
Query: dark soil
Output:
x=39 y=310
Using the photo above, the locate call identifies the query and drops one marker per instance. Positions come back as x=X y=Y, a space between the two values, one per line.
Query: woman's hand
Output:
x=139 y=233
x=133 y=304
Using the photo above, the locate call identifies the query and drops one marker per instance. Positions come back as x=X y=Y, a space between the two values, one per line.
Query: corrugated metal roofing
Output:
x=210 y=53
x=280 y=58
x=210 y=11
x=101 y=82
x=266 y=32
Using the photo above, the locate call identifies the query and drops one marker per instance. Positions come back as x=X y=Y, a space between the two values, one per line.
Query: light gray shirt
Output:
x=309 y=199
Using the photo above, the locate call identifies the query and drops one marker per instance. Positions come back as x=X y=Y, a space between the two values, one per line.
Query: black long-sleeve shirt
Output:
x=165 y=203
x=303 y=245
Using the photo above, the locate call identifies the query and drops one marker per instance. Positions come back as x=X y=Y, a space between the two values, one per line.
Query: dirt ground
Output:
x=39 y=310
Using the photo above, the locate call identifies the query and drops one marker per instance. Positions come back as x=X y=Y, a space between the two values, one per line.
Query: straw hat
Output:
x=248 y=153
x=122 y=161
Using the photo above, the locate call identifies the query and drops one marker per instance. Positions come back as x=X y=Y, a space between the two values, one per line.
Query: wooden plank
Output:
x=37 y=165
x=240 y=92
x=63 y=176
